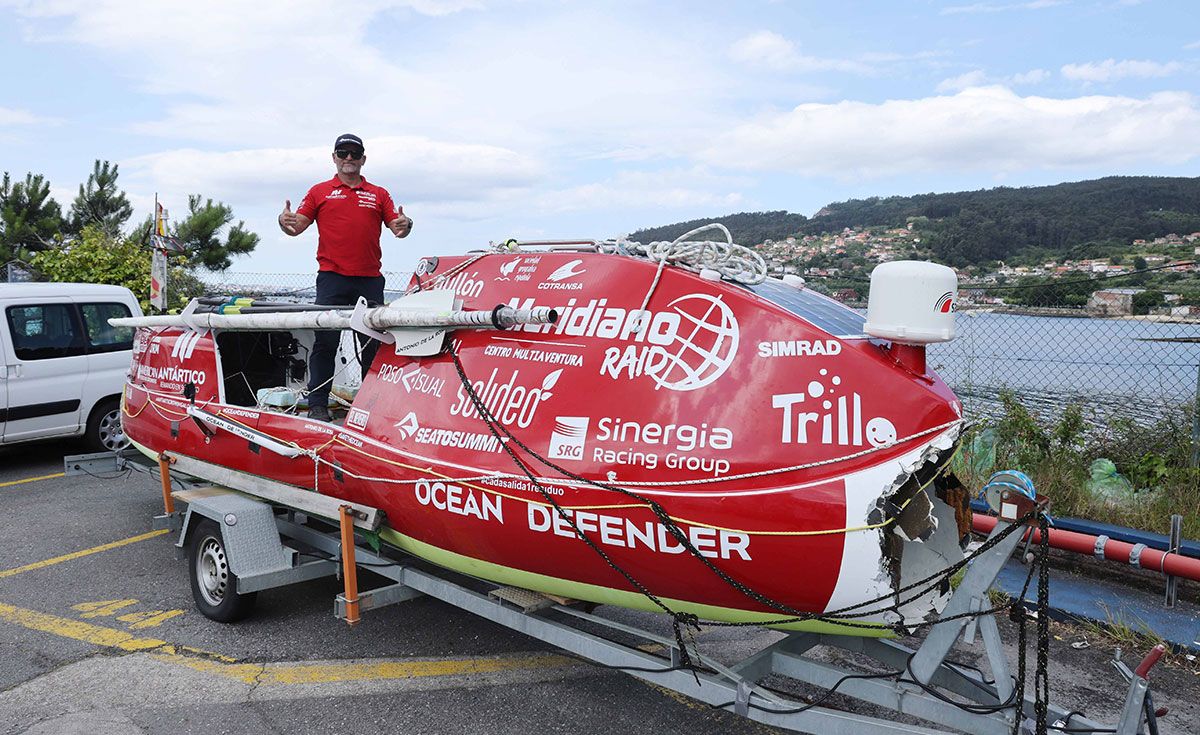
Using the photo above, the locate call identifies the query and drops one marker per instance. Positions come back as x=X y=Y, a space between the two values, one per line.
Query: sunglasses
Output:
x=344 y=154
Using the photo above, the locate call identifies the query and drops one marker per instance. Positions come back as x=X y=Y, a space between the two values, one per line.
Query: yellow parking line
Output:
x=272 y=673
x=84 y=552
x=305 y=673
x=32 y=479
x=77 y=629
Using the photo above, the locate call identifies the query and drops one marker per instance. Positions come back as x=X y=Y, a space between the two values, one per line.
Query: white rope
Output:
x=732 y=261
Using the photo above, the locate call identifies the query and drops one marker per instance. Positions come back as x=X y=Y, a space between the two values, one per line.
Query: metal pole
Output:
x=349 y=569
x=380 y=318
x=1172 y=592
x=164 y=470
x=1196 y=422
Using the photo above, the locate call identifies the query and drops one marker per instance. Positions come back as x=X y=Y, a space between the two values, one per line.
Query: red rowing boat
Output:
x=741 y=452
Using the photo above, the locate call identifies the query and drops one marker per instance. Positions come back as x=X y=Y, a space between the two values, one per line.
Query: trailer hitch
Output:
x=1139 y=703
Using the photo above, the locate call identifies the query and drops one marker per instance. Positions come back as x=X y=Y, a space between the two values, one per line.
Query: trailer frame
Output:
x=268 y=534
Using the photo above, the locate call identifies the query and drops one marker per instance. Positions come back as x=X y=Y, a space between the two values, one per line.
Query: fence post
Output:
x=1173 y=543
x=1196 y=422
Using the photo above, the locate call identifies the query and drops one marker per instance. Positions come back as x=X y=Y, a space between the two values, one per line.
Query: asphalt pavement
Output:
x=99 y=636
x=110 y=643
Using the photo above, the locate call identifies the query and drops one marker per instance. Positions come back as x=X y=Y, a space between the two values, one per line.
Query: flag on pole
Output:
x=160 y=244
x=158 y=280
x=159 y=239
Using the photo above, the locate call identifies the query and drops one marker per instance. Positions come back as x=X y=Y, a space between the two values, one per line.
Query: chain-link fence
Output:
x=1124 y=346
x=1050 y=345
x=1073 y=340
x=1135 y=368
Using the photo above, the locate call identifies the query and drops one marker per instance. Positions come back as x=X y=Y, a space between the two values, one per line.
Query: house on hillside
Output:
x=1112 y=301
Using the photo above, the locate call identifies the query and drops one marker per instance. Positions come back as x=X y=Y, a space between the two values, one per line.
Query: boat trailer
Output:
x=267 y=529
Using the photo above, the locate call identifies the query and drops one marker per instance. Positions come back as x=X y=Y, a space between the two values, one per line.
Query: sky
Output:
x=534 y=119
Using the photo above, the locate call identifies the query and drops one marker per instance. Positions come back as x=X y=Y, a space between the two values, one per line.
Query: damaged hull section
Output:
x=909 y=533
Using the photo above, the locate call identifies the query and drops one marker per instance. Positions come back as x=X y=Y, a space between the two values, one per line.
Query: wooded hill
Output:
x=1084 y=219
x=747 y=228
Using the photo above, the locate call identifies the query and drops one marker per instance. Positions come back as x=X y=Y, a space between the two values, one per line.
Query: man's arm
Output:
x=290 y=222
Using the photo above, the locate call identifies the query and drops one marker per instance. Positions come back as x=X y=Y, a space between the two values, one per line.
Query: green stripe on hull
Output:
x=594 y=593
x=606 y=595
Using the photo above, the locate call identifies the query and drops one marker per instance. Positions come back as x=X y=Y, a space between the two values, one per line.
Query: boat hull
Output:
x=584 y=458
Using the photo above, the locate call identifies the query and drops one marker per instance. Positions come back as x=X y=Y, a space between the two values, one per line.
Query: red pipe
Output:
x=1085 y=543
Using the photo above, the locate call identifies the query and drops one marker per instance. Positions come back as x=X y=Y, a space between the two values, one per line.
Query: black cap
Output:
x=346 y=139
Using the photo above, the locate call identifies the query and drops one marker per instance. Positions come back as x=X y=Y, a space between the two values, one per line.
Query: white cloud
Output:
x=978 y=78
x=412 y=168
x=443 y=7
x=765 y=48
x=988 y=129
x=233 y=75
x=1111 y=70
x=230 y=70
x=1033 y=76
x=891 y=57
x=973 y=78
x=1000 y=8
x=637 y=190
x=769 y=50
x=11 y=116
x=1192 y=45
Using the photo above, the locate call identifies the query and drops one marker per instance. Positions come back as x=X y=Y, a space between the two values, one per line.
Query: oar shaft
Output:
x=380 y=318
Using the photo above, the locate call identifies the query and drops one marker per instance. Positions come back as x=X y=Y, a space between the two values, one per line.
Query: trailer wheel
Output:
x=214 y=585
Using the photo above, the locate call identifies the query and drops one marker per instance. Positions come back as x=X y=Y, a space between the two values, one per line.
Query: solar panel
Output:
x=819 y=310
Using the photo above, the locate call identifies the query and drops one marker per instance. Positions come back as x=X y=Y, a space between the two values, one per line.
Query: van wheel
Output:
x=104 y=431
x=214 y=585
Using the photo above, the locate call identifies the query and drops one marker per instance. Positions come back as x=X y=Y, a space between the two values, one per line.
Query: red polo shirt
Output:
x=349 y=219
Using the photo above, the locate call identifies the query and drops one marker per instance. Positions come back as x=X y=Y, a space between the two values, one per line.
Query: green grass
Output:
x=1057 y=453
x=1135 y=639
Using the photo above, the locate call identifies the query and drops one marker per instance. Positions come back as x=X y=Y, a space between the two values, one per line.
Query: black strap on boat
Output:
x=496 y=316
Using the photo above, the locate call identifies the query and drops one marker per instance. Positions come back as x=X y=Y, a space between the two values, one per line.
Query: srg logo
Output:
x=568 y=438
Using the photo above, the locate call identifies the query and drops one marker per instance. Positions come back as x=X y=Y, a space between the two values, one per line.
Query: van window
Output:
x=103 y=337
x=44 y=331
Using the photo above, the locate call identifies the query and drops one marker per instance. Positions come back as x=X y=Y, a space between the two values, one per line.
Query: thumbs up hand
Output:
x=288 y=219
x=402 y=225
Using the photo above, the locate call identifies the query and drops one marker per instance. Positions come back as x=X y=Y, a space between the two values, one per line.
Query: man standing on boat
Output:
x=349 y=212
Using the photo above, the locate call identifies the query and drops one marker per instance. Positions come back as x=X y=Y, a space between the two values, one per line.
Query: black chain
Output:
x=842 y=616
x=1041 y=677
x=679 y=619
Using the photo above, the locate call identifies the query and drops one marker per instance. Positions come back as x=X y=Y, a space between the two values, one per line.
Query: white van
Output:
x=62 y=367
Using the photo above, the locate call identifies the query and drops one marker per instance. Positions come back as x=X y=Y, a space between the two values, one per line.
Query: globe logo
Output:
x=703 y=347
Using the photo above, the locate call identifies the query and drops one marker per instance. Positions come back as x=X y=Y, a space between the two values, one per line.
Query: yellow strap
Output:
x=531 y=501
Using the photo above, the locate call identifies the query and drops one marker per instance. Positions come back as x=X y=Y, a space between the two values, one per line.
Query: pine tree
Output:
x=199 y=233
x=100 y=202
x=29 y=218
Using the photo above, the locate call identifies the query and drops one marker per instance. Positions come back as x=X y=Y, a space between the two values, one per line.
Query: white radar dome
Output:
x=912 y=302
